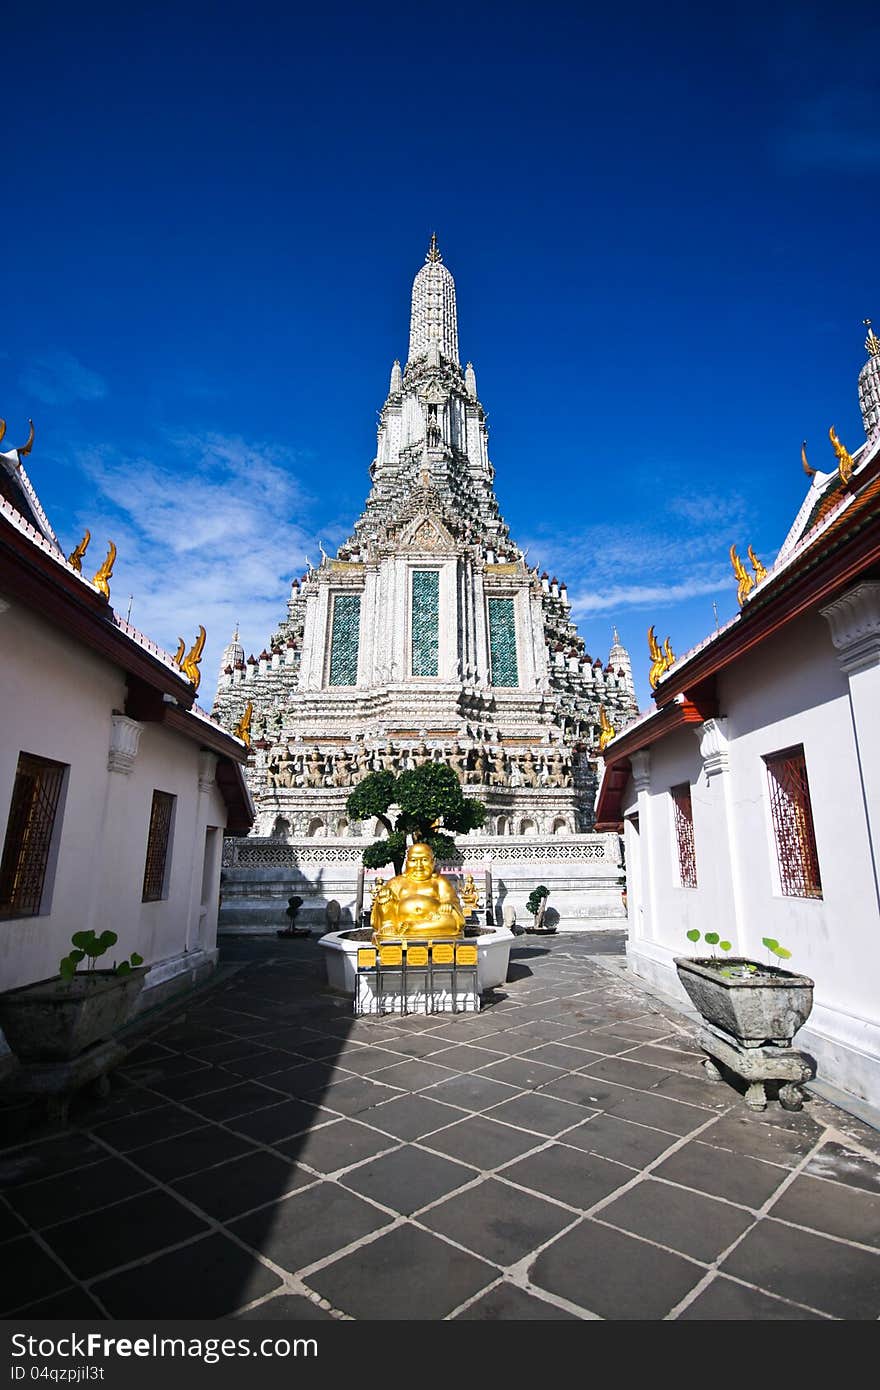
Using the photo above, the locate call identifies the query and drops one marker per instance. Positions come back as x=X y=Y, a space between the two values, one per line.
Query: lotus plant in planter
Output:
x=752 y=1012
x=57 y=1020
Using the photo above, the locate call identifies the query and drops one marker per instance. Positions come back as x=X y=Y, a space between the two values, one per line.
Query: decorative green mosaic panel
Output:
x=425 y=622
x=502 y=641
x=344 y=646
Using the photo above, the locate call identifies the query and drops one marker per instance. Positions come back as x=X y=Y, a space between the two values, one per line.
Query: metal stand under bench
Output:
x=414 y=978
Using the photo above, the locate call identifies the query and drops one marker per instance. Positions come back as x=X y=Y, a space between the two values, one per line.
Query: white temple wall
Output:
x=583 y=872
x=96 y=867
x=791 y=692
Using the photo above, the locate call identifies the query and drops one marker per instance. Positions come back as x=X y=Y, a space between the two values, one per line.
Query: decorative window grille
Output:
x=344 y=642
x=29 y=835
x=683 y=813
x=502 y=642
x=157 y=846
x=425 y=622
x=793 y=828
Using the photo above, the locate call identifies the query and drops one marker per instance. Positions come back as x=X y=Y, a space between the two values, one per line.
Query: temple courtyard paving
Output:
x=560 y=1155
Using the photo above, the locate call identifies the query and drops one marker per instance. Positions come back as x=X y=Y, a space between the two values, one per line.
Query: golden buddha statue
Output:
x=470 y=897
x=418 y=903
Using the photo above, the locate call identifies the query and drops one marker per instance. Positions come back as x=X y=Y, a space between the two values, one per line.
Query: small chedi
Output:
x=417 y=904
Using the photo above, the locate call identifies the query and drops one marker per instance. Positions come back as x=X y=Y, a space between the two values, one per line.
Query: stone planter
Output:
x=493 y=957
x=749 y=1022
x=56 y=1020
x=768 y=1006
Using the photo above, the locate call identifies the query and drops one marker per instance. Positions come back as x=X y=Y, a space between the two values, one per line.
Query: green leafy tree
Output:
x=428 y=801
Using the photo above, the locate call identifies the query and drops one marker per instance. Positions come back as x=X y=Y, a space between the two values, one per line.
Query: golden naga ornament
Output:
x=668 y=653
x=26 y=448
x=75 y=557
x=810 y=472
x=760 y=571
x=242 y=729
x=101 y=580
x=190 y=663
x=658 y=660
x=845 y=464
x=418 y=904
x=178 y=655
x=745 y=582
x=2 y=429
x=606 y=729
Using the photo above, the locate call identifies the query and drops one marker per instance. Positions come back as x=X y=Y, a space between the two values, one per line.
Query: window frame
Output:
x=683 y=835
x=39 y=902
x=162 y=894
x=797 y=876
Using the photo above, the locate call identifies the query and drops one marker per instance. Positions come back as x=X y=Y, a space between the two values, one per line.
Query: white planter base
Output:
x=493 y=958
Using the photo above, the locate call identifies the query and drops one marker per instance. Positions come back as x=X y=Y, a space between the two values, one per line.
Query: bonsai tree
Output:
x=293 y=906
x=429 y=805
x=537 y=902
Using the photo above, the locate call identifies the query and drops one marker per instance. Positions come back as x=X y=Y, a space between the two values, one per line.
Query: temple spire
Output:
x=869 y=383
x=433 y=328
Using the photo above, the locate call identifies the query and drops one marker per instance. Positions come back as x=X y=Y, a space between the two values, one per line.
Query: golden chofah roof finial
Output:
x=745 y=582
x=75 y=557
x=810 y=472
x=178 y=655
x=2 y=428
x=190 y=664
x=26 y=448
x=606 y=729
x=242 y=729
x=433 y=250
x=658 y=660
x=101 y=580
x=872 y=342
x=668 y=653
x=845 y=464
x=760 y=572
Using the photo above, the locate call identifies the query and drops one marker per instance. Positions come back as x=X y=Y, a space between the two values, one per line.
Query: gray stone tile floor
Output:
x=560 y=1155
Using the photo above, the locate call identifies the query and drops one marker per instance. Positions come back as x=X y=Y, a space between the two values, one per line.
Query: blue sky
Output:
x=662 y=225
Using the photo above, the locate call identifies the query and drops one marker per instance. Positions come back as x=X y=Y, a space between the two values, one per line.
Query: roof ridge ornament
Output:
x=810 y=472
x=26 y=448
x=872 y=342
x=190 y=663
x=75 y=557
x=433 y=256
x=101 y=579
x=745 y=582
x=844 y=459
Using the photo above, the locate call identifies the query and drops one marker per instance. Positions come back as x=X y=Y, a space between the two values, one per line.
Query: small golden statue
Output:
x=470 y=897
x=418 y=903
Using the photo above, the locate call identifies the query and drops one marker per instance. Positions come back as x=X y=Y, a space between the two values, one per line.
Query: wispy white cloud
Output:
x=619 y=597
x=207 y=532
x=59 y=378
x=681 y=554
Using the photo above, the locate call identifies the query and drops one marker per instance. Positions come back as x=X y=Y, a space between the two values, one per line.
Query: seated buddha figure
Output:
x=417 y=904
x=470 y=897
